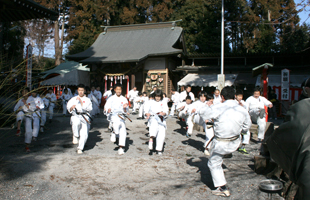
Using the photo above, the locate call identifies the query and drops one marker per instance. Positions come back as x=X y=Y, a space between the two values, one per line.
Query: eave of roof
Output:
x=17 y=10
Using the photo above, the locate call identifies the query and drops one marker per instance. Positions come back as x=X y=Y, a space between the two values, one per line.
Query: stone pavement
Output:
x=53 y=170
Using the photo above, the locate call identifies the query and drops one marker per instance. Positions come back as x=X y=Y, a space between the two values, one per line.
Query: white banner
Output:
x=29 y=66
x=285 y=84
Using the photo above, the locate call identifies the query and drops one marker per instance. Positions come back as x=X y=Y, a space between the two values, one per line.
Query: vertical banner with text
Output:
x=29 y=66
x=285 y=84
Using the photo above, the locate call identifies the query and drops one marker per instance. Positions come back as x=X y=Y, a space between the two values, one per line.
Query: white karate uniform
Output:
x=107 y=94
x=65 y=98
x=29 y=118
x=98 y=96
x=199 y=120
x=246 y=136
x=52 y=104
x=142 y=108
x=230 y=119
x=175 y=98
x=116 y=103
x=187 y=115
x=183 y=96
x=217 y=99
x=69 y=91
x=157 y=128
x=36 y=116
x=254 y=106
x=96 y=109
x=132 y=95
x=43 y=111
x=165 y=100
x=80 y=127
x=137 y=103
x=20 y=114
x=95 y=104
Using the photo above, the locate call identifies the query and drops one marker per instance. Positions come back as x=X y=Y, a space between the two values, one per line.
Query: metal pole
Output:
x=222 y=40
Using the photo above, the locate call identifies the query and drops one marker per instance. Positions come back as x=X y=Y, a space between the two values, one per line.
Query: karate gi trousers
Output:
x=173 y=107
x=119 y=129
x=141 y=111
x=32 y=126
x=64 y=108
x=159 y=131
x=261 y=122
x=51 y=110
x=135 y=106
x=20 y=116
x=217 y=152
x=189 y=123
x=43 y=117
x=80 y=130
x=209 y=135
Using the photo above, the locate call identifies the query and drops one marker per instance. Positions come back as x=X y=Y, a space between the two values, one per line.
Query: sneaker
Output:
x=121 y=151
x=206 y=152
x=41 y=129
x=262 y=113
x=221 y=192
x=243 y=150
x=75 y=140
x=17 y=133
x=79 y=151
x=113 y=137
x=150 y=145
x=34 y=139
x=188 y=135
x=159 y=153
x=27 y=149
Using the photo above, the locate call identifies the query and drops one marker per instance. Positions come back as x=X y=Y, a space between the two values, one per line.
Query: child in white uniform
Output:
x=185 y=109
x=116 y=106
x=52 y=100
x=80 y=107
x=156 y=111
x=65 y=98
x=142 y=108
x=36 y=116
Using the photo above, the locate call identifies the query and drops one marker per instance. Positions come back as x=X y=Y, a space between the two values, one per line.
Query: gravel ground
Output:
x=53 y=170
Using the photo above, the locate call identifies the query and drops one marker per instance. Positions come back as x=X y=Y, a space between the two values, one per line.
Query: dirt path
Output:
x=53 y=170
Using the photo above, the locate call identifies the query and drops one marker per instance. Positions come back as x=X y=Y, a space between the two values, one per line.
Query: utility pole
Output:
x=221 y=77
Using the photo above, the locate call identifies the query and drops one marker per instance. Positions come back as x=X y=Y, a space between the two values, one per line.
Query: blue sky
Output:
x=305 y=13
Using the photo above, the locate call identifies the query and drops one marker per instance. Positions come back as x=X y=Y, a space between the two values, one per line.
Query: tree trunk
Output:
x=57 y=54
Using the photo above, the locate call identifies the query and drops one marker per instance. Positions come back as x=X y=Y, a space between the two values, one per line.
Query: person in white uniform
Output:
x=52 y=100
x=230 y=119
x=108 y=93
x=256 y=108
x=175 y=99
x=98 y=96
x=69 y=90
x=137 y=102
x=245 y=136
x=95 y=107
x=132 y=94
x=28 y=108
x=217 y=97
x=117 y=105
x=185 y=113
x=155 y=112
x=80 y=108
x=94 y=101
x=18 y=109
x=185 y=93
x=142 y=108
x=43 y=112
x=36 y=115
x=165 y=99
x=65 y=96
